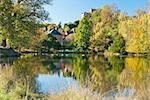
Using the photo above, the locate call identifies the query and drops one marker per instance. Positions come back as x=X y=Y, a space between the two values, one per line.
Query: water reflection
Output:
x=55 y=84
x=104 y=72
x=135 y=77
x=6 y=61
x=18 y=80
x=29 y=76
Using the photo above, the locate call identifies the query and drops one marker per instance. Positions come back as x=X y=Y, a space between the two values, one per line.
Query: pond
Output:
x=52 y=74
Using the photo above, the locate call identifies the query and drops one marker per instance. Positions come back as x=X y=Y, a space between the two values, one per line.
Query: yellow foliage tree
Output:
x=135 y=31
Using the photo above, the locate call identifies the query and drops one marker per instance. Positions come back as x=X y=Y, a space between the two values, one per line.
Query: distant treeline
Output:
x=109 y=29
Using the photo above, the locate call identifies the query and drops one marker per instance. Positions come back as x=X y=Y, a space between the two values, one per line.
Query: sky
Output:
x=70 y=10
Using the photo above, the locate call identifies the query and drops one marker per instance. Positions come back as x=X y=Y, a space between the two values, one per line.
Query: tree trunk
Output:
x=4 y=44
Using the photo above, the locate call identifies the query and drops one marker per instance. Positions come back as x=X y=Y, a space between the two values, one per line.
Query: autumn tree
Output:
x=137 y=40
x=105 y=29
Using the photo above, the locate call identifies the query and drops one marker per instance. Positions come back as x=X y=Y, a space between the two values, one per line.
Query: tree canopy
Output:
x=83 y=34
x=112 y=30
x=20 y=19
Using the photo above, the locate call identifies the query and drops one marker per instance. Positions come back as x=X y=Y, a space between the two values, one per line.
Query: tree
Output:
x=37 y=39
x=138 y=36
x=50 y=42
x=83 y=34
x=70 y=26
x=118 y=44
x=104 y=28
x=19 y=18
x=76 y=23
x=67 y=27
x=51 y=26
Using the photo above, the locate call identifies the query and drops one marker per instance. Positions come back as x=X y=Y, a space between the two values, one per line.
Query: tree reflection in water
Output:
x=114 y=76
x=103 y=73
x=135 y=77
x=108 y=76
x=18 y=80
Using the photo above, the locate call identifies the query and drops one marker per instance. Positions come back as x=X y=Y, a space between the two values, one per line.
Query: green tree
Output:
x=67 y=27
x=50 y=42
x=70 y=26
x=118 y=44
x=20 y=19
x=83 y=33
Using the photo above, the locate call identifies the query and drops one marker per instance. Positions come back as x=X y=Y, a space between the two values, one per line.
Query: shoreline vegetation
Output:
x=107 y=53
x=9 y=52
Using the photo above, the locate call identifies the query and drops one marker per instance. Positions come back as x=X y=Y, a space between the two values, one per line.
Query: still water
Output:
x=109 y=76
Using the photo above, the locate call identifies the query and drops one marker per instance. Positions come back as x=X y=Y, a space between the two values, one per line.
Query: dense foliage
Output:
x=102 y=30
x=70 y=26
x=137 y=34
x=20 y=20
x=50 y=43
x=83 y=34
x=111 y=30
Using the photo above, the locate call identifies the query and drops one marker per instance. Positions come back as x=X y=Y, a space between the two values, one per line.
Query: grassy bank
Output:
x=75 y=94
x=82 y=94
